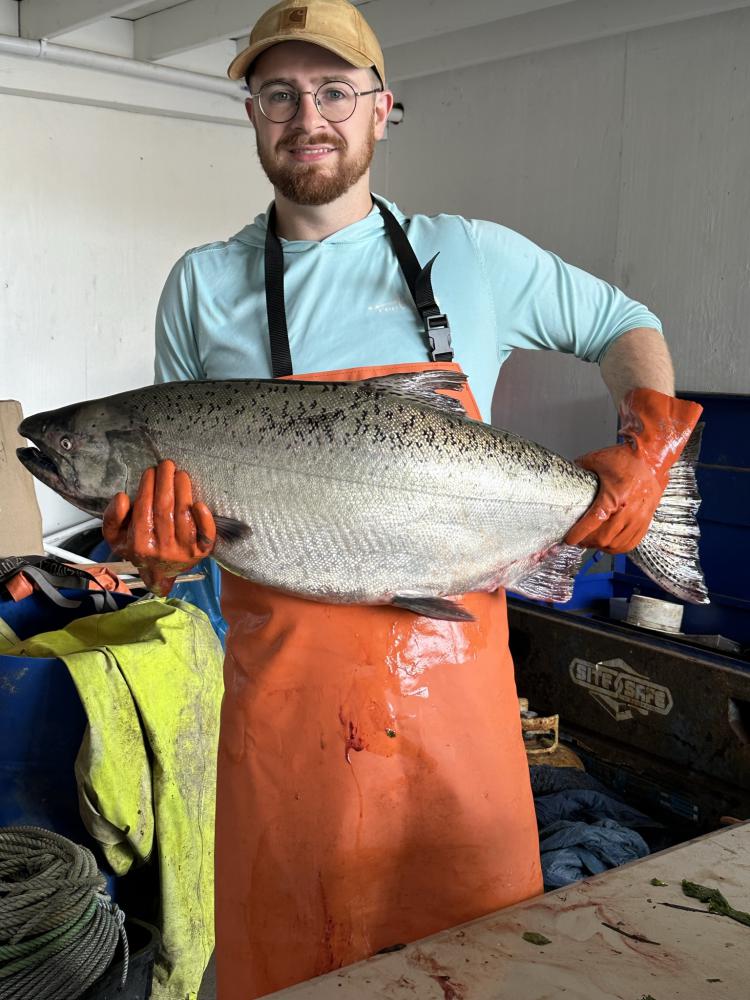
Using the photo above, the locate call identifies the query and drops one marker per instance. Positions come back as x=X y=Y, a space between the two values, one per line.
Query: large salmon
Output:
x=373 y=492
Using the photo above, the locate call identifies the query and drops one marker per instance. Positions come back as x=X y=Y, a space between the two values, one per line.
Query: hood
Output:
x=371 y=227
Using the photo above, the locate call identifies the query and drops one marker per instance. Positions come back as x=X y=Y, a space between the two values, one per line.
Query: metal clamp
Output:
x=439 y=336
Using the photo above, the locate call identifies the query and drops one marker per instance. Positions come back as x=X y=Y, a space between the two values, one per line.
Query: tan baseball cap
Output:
x=336 y=25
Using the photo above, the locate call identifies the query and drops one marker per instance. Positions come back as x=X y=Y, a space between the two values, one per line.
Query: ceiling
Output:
x=419 y=37
x=144 y=9
x=166 y=28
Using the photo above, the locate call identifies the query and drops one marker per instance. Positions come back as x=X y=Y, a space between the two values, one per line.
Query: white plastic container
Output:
x=648 y=612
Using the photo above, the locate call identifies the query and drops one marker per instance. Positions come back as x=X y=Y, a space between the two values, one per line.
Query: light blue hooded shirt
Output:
x=348 y=305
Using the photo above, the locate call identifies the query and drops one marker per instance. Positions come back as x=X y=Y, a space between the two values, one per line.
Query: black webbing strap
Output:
x=419 y=280
x=281 y=358
x=50 y=576
x=65 y=576
x=49 y=585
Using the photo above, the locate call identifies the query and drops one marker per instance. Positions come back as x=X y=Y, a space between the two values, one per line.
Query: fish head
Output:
x=87 y=452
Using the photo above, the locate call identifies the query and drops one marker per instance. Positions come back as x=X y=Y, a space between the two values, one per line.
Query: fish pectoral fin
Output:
x=433 y=607
x=422 y=387
x=553 y=577
x=229 y=529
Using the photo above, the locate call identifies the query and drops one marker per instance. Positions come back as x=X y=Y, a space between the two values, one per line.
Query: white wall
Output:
x=95 y=206
x=628 y=156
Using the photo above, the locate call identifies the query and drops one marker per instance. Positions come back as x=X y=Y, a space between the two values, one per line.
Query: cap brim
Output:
x=241 y=63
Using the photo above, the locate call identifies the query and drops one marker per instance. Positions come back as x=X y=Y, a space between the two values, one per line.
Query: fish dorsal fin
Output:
x=422 y=387
x=552 y=579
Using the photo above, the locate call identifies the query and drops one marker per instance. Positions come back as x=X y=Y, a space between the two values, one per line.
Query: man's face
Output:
x=312 y=161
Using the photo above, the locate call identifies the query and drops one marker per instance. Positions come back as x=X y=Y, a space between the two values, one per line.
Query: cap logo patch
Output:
x=294 y=18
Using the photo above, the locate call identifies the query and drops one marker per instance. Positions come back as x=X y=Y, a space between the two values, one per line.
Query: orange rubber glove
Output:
x=633 y=475
x=163 y=532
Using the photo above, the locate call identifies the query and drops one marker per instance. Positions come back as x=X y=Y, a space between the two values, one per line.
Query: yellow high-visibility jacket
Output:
x=150 y=680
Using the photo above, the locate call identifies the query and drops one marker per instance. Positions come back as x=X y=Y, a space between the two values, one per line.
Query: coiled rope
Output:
x=58 y=927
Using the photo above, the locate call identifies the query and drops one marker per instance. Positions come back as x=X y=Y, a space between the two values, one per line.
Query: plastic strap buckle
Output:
x=439 y=336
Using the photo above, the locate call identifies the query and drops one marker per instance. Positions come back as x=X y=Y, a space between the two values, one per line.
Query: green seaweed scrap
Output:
x=716 y=902
x=533 y=938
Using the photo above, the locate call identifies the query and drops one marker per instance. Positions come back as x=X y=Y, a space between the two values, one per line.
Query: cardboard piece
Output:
x=20 y=517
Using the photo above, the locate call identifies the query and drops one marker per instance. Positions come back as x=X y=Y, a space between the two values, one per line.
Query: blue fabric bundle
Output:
x=572 y=851
x=588 y=806
x=584 y=829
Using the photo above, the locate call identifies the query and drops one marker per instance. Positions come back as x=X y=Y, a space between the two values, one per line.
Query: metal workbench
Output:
x=611 y=938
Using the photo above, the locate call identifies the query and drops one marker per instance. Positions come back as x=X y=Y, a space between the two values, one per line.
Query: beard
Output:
x=308 y=183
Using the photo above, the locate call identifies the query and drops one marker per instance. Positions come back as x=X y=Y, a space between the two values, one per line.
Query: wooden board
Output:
x=689 y=954
x=20 y=520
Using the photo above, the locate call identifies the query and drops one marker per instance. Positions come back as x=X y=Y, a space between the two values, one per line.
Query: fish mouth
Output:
x=44 y=468
x=41 y=465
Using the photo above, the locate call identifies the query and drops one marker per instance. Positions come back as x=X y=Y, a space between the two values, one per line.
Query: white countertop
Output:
x=672 y=954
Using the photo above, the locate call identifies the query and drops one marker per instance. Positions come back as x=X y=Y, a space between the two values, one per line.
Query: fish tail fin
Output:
x=669 y=552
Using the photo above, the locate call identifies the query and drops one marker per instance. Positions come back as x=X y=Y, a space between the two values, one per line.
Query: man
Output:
x=373 y=786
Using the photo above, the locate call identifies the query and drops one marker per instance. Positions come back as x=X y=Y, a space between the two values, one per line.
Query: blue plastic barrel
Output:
x=42 y=722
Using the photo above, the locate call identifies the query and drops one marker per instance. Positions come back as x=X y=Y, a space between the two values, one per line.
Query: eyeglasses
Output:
x=335 y=100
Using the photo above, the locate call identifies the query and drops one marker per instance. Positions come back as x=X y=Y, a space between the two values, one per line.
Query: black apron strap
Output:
x=281 y=358
x=419 y=280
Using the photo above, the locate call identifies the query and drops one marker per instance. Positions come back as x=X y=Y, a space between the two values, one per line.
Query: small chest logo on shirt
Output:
x=395 y=305
x=294 y=18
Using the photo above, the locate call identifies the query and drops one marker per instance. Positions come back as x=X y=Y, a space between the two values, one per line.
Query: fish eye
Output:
x=66 y=444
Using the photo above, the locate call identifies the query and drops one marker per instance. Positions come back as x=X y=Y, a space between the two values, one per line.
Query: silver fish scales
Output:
x=372 y=492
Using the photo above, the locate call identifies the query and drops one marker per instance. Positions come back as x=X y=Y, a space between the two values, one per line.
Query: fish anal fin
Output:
x=424 y=387
x=433 y=607
x=552 y=578
x=229 y=529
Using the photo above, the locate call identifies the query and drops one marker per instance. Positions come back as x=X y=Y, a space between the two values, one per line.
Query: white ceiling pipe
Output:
x=69 y=56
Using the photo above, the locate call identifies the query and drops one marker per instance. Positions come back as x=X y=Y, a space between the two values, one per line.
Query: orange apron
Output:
x=372 y=783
